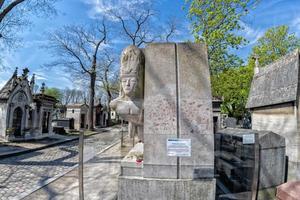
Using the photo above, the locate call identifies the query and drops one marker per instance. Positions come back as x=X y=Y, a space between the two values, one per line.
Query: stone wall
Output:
x=76 y=115
x=280 y=119
x=3 y=121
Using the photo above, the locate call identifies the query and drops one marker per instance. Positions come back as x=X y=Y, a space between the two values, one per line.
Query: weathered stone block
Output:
x=201 y=158
x=156 y=162
x=160 y=112
x=165 y=189
x=160 y=89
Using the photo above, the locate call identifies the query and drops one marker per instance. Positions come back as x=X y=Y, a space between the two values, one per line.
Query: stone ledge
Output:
x=165 y=189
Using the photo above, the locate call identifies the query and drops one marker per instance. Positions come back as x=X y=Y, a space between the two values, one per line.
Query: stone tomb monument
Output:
x=178 y=138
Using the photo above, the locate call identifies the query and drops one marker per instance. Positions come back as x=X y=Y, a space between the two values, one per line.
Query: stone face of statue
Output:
x=129 y=85
x=129 y=105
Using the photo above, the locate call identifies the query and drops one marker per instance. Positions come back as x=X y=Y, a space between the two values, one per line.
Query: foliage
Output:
x=54 y=92
x=233 y=85
x=276 y=42
x=216 y=23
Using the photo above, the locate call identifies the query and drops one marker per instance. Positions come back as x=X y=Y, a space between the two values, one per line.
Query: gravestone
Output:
x=236 y=161
x=230 y=122
x=178 y=128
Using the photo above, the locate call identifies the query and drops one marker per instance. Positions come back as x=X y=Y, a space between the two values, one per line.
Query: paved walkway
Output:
x=100 y=178
x=13 y=148
x=23 y=174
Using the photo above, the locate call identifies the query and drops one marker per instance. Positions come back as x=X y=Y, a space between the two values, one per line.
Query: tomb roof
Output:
x=9 y=87
x=76 y=105
x=44 y=97
x=275 y=83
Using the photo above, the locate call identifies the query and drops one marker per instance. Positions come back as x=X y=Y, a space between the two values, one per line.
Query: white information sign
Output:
x=179 y=147
x=248 y=139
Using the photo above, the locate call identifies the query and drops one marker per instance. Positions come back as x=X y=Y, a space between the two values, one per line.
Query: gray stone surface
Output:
x=272 y=155
x=283 y=120
x=230 y=122
x=160 y=89
x=136 y=188
x=195 y=107
x=189 y=62
x=160 y=108
x=275 y=83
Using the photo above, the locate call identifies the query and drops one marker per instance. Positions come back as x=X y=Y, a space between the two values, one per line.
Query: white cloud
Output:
x=295 y=26
x=40 y=76
x=103 y=7
x=250 y=33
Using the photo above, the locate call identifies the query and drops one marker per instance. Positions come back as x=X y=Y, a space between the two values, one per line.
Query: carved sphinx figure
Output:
x=129 y=104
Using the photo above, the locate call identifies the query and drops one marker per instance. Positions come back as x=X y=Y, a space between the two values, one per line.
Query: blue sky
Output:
x=268 y=13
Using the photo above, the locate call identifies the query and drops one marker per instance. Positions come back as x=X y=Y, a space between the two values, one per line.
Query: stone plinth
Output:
x=137 y=188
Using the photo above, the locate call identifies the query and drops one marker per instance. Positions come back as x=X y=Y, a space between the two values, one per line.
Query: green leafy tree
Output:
x=216 y=23
x=233 y=85
x=276 y=42
x=54 y=92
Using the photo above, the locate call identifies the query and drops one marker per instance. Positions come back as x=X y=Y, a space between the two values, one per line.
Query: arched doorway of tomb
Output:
x=45 y=122
x=82 y=121
x=71 y=125
x=17 y=122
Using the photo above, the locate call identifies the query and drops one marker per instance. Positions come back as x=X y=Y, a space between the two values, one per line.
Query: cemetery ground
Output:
x=23 y=174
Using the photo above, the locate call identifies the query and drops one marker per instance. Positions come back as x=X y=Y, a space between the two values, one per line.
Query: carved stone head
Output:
x=132 y=72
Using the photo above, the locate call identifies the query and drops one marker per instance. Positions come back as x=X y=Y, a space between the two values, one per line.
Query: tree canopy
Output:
x=276 y=42
x=54 y=92
x=216 y=23
x=233 y=85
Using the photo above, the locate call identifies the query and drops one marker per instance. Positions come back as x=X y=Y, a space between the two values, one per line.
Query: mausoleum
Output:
x=274 y=104
x=79 y=113
x=24 y=115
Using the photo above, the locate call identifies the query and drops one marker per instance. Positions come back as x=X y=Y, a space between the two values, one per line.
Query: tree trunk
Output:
x=108 y=109
x=91 y=102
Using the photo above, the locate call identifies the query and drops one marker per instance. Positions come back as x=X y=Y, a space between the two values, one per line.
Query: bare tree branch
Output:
x=171 y=30
x=77 y=50
x=134 y=26
x=8 y=8
x=1 y=3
